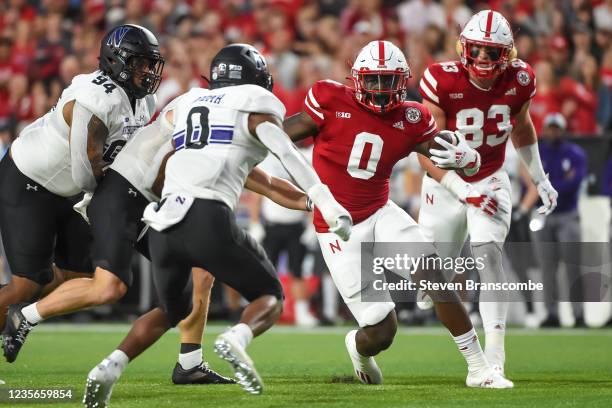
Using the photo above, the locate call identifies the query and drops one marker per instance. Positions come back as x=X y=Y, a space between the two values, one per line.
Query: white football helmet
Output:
x=380 y=74
x=490 y=29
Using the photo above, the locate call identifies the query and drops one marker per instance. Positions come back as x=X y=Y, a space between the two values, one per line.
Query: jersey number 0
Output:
x=365 y=154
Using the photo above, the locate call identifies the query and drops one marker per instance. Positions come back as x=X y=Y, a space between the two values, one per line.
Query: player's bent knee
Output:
x=374 y=313
x=109 y=288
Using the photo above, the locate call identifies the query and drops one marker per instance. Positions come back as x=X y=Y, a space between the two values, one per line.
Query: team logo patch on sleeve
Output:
x=523 y=78
x=413 y=115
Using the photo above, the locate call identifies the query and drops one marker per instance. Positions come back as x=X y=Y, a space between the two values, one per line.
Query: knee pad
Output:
x=374 y=313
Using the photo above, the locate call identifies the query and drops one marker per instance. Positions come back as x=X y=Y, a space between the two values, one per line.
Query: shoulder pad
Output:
x=98 y=93
x=256 y=99
x=524 y=77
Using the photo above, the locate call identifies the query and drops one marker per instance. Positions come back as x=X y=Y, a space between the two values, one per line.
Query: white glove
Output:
x=456 y=156
x=486 y=200
x=81 y=206
x=257 y=231
x=549 y=195
x=336 y=216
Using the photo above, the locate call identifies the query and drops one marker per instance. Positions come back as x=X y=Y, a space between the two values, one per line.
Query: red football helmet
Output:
x=380 y=74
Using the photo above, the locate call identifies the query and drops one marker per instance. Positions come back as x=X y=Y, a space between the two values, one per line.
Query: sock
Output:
x=472 y=352
x=243 y=333
x=31 y=314
x=189 y=347
x=495 y=333
x=119 y=360
x=190 y=359
x=301 y=308
x=494 y=306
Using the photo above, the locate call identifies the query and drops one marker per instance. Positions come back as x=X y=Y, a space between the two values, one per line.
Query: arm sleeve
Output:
x=279 y=144
x=531 y=157
x=82 y=173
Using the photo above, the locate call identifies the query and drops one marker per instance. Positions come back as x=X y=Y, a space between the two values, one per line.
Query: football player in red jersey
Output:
x=359 y=135
x=486 y=97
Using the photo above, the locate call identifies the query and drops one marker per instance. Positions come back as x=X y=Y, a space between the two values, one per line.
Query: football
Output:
x=447 y=135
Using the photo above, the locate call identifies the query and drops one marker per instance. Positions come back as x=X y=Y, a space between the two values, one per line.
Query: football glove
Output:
x=549 y=195
x=336 y=216
x=486 y=200
x=457 y=155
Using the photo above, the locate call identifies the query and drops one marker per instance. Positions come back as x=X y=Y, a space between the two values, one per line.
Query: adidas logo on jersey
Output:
x=399 y=125
x=456 y=95
x=511 y=91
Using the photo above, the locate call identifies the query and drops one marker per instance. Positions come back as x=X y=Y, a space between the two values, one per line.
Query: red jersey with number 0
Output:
x=356 y=149
x=485 y=117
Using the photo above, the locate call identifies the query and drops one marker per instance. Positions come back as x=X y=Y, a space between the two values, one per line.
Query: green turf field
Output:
x=306 y=369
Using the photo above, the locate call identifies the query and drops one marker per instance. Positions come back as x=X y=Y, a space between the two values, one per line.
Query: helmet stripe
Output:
x=489 y=24
x=381 y=53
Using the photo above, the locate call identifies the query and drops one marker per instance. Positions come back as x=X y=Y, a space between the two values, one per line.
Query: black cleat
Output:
x=15 y=332
x=551 y=321
x=201 y=374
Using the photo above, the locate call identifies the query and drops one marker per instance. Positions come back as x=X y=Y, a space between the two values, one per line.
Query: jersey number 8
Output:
x=471 y=122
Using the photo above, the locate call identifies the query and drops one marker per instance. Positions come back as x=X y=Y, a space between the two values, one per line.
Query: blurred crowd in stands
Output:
x=45 y=43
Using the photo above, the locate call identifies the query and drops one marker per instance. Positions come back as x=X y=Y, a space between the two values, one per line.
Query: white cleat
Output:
x=100 y=382
x=532 y=321
x=306 y=320
x=245 y=373
x=488 y=378
x=366 y=369
x=423 y=300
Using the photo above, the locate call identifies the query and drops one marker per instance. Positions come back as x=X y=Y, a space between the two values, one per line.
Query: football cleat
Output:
x=15 y=332
x=488 y=378
x=99 y=385
x=201 y=374
x=245 y=373
x=424 y=301
x=366 y=369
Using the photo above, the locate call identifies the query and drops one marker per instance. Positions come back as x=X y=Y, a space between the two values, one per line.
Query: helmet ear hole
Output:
x=459 y=47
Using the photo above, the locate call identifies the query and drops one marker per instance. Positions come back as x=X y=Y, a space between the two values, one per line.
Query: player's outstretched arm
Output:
x=87 y=137
x=267 y=129
x=279 y=190
x=300 y=126
x=525 y=141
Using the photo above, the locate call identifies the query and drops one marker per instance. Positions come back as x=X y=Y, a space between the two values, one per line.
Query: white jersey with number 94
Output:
x=42 y=150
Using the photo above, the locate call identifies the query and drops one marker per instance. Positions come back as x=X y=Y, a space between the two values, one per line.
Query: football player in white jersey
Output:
x=64 y=153
x=219 y=134
x=115 y=214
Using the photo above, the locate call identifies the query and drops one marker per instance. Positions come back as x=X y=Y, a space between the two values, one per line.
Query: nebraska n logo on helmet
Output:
x=490 y=30
x=380 y=74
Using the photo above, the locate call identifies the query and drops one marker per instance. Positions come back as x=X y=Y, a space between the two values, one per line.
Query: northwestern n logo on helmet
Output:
x=115 y=38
